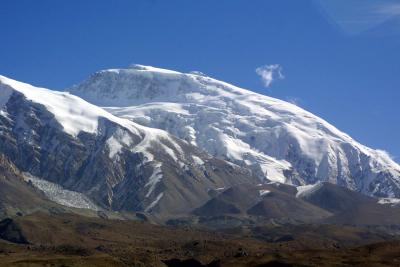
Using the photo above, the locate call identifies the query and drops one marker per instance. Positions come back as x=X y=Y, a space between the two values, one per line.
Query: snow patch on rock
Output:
x=391 y=201
x=155 y=202
x=197 y=160
x=263 y=192
x=155 y=178
x=305 y=190
x=117 y=141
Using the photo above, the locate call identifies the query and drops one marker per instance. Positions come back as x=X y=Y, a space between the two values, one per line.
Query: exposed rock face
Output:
x=277 y=140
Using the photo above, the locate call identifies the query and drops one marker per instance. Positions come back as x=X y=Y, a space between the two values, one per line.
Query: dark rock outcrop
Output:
x=11 y=231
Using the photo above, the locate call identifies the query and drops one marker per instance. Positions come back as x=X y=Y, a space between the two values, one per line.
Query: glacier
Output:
x=60 y=195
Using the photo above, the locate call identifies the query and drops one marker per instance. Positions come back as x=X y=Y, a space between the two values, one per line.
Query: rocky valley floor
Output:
x=66 y=239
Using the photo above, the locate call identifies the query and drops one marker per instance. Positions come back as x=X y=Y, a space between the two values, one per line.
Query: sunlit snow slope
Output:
x=277 y=140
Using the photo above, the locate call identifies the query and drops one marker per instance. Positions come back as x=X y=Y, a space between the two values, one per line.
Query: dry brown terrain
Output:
x=72 y=240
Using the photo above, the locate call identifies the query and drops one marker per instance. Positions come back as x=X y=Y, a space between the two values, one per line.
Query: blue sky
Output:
x=339 y=59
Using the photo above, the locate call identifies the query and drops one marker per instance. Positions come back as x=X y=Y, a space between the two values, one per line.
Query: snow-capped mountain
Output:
x=278 y=141
x=80 y=154
x=164 y=142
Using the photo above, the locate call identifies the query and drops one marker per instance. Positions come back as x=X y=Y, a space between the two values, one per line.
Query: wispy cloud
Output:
x=358 y=16
x=269 y=73
x=389 y=9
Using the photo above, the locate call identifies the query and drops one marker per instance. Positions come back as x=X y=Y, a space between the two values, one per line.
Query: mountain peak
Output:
x=151 y=68
x=277 y=140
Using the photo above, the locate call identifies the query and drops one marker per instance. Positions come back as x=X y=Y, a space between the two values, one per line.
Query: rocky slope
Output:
x=277 y=140
x=16 y=196
x=322 y=203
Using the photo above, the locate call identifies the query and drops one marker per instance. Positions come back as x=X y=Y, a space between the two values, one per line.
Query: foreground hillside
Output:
x=72 y=240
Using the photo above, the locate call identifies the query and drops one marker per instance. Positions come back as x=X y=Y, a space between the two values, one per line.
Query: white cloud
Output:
x=270 y=73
